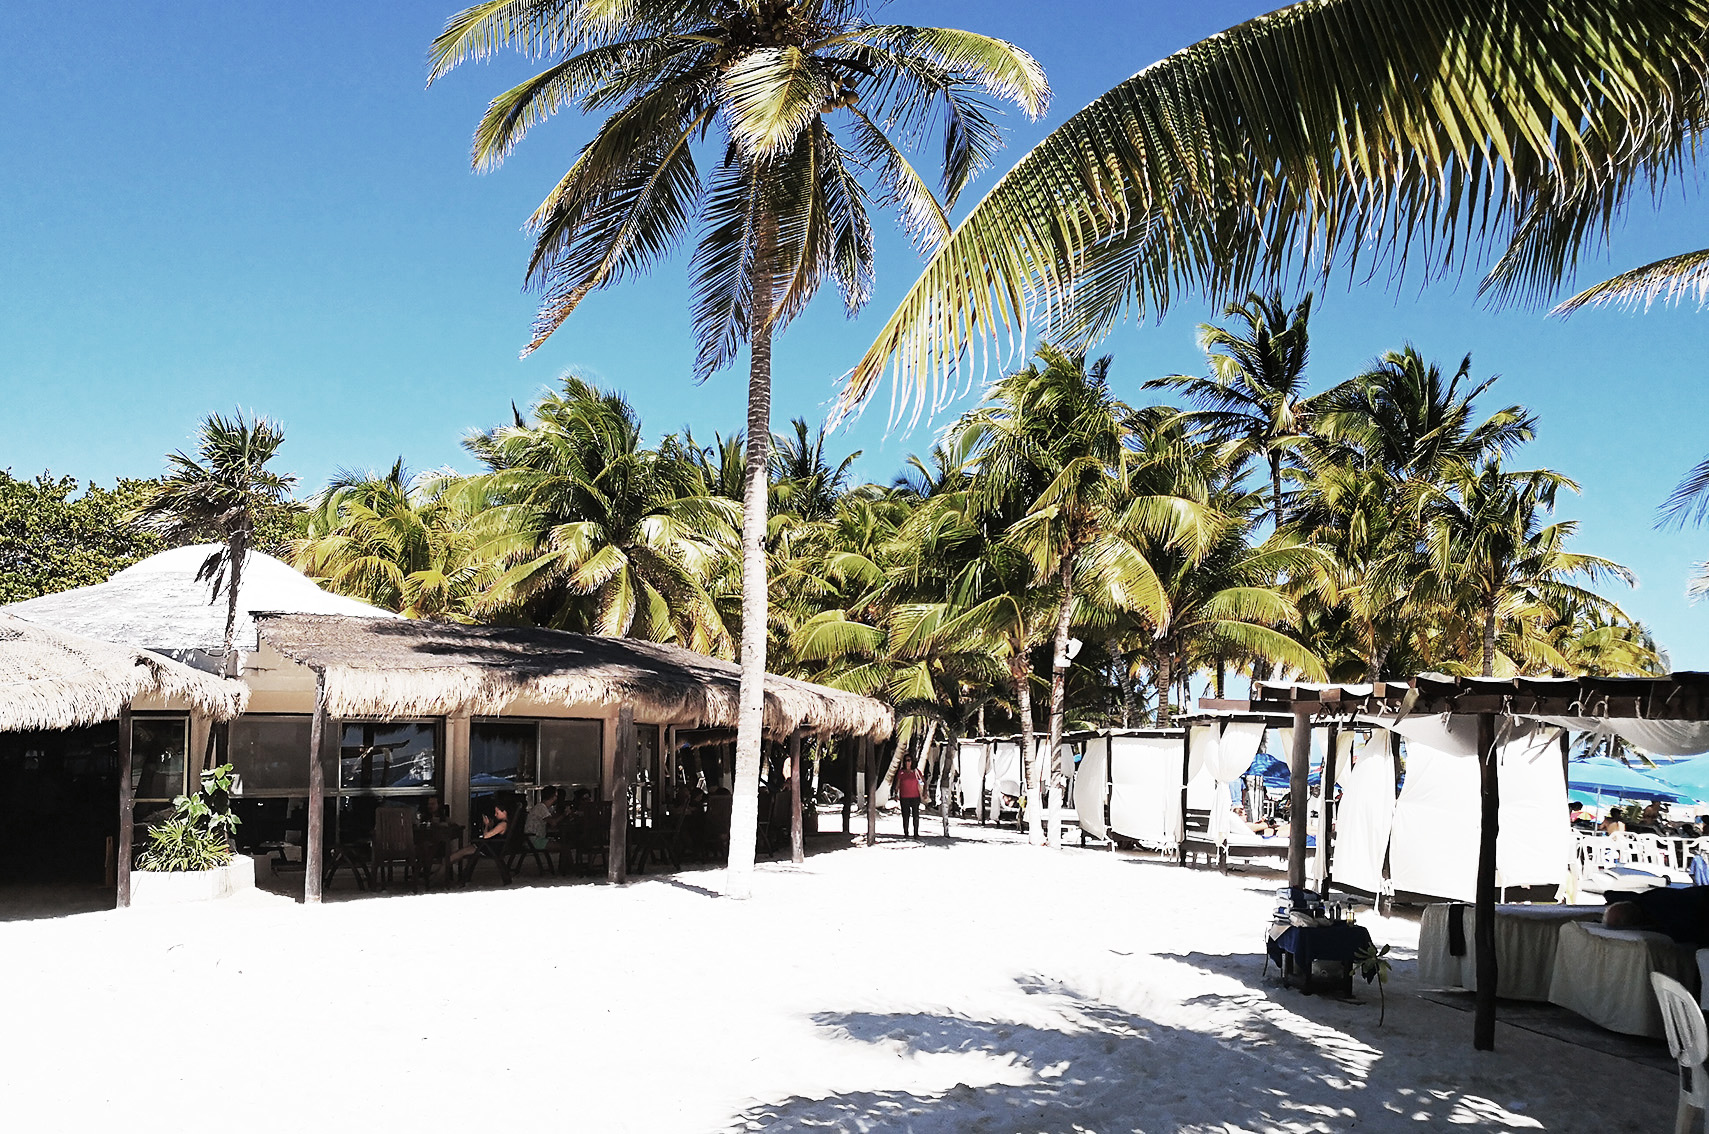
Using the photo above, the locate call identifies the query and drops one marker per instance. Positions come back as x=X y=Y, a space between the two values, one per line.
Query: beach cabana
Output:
x=1474 y=722
x=67 y=704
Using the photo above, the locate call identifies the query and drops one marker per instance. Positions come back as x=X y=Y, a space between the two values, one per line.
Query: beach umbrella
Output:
x=1689 y=776
x=1600 y=776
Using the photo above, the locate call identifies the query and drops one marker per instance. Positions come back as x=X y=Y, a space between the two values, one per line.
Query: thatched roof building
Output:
x=51 y=679
x=404 y=667
x=160 y=605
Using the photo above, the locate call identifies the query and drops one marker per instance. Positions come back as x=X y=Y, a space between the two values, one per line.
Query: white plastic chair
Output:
x=1688 y=1039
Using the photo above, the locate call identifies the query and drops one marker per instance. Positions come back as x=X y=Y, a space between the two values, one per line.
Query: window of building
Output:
x=502 y=754
x=270 y=754
x=387 y=757
x=160 y=747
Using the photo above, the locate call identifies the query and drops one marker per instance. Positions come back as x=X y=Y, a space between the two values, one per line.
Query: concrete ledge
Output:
x=177 y=887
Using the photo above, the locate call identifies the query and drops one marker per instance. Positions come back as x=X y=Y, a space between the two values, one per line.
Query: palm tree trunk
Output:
x=1058 y=694
x=750 y=712
x=947 y=769
x=1489 y=641
x=1165 y=681
x=1029 y=774
x=237 y=548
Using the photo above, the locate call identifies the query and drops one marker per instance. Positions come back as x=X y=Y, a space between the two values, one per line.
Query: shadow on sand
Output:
x=1097 y=1067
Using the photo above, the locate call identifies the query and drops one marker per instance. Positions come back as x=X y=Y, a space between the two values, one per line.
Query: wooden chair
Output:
x=1688 y=1040
x=587 y=836
x=514 y=840
x=718 y=817
x=394 y=843
x=521 y=847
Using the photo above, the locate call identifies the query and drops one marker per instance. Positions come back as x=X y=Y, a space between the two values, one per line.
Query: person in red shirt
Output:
x=909 y=788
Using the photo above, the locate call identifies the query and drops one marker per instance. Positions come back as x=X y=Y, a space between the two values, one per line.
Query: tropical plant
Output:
x=591 y=530
x=793 y=100
x=220 y=493
x=399 y=542
x=1361 y=134
x=1492 y=555
x=198 y=834
x=1255 y=395
x=1374 y=965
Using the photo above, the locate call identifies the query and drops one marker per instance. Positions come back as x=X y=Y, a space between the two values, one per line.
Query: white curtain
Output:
x=1201 y=755
x=1366 y=817
x=1227 y=761
x=1535 y=841
x=1433 y=849
x=1091 y=786
x=1145 y=789
x=1665 y=738
x=970 y=775
x=1006 y=767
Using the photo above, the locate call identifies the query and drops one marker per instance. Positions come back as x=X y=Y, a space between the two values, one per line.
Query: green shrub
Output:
x=199 y=833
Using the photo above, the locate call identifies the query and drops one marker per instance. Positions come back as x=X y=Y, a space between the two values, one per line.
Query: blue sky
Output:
x=209 y=204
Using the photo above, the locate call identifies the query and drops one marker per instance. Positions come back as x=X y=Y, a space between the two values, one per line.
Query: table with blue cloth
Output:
x=1298 y=947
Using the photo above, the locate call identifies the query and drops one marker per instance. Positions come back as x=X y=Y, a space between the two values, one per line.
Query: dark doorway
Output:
x=59 y=796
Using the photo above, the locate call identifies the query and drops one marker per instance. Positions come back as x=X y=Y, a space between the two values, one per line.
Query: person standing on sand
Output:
x=909 y=787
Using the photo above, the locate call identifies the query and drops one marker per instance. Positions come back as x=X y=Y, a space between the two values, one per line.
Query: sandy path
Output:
x=987 y=986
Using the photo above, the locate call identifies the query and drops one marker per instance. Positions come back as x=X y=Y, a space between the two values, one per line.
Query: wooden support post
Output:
x=315 y=836
x=1326 y=819
x=1299 y=771
x=1483 y=937
x=617 y=850
x=869 y=771
x=127 y=808
x=847 y=755
x=1186 y=770
x=797 y=841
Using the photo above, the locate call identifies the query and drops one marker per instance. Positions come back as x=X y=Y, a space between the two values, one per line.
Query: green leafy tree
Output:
x=794 y=106
x=56 y=534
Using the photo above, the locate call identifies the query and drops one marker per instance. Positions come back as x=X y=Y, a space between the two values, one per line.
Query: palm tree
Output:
x=1255 y=393
x=1050 y=453
x=595 y=532
x=1489 y=547
x=800 y=96
x=400 y=542
x=220 y=493
x=1329 y=133
x=805 y=483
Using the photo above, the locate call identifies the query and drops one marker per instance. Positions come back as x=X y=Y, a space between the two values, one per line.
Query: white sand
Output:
x=984 y=986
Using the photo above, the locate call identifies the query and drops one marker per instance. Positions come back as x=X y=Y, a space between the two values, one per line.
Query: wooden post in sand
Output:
x=797 y=844
x=1326 y=818
x=1186 y=770
x=314 y=837
x=1483 y=933
x=869 y=772
x=127 y=807
x=1299 y=770
x=617 y=850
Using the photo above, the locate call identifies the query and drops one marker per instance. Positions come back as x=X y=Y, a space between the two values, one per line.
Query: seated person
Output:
x=1270 y=828
x=1611 y=823
x=540 y=818
x=495 y=825
x=433 y=811
x=1624 y=915
x=1651 y=814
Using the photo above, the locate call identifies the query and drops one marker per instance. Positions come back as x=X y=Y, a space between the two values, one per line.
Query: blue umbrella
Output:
x=1601 y=776
x=1688 y=776
x=1275 y=772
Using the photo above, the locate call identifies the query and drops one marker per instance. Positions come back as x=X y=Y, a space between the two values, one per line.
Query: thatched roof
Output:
x=52 y=679
x=405 y=668
x=158 y=604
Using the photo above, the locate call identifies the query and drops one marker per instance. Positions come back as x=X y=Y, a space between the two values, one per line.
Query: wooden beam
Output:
x=869 y=772
x=127 y=808
x=846 y=753
x=314 y=838
x=1488 y=975
x=797 y=842
x=1299 y=770
x=623 y=768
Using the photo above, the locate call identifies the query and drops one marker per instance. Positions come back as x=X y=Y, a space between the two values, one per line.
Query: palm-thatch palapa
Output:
x=51 y=679
x=380 y=668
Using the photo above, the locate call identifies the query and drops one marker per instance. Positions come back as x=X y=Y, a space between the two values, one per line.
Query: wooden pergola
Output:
x=1581 y=701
